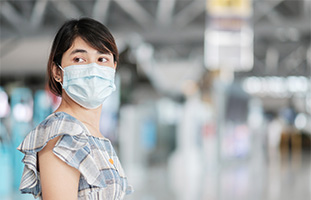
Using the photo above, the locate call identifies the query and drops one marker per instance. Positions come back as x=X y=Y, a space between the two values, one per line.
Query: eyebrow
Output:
x=84 y=51
x=78 y=51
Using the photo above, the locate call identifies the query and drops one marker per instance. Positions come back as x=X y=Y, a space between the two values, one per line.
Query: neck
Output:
x=87 y=116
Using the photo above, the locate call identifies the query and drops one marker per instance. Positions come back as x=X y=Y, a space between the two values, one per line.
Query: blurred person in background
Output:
x=66 y=156
x=275 y=129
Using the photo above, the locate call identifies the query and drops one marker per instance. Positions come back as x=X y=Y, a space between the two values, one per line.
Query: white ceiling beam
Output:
x=264 y=8
x=13 y=16
x=274 y=17
x=261 y=67
x=165 y=12
x=101 y=11
x=137 y=12
x=272 y=60
x=38 y=13
x=68 y=9
x=295 y=58
x=189 y=13
x=307 y=7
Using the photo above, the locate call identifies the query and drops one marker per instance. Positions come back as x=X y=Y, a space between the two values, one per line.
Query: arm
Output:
x=58 y=180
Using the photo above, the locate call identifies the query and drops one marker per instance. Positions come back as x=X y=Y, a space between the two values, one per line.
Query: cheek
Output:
x=111 y=64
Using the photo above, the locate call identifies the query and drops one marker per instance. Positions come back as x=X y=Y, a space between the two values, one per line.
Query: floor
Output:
x=281 y=178
x=286 y=178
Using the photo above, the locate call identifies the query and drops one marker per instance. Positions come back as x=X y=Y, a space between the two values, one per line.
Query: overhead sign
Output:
x=229 y=35
x=229 y=7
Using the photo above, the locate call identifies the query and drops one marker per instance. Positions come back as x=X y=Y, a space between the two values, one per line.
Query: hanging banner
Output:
x=229 y=35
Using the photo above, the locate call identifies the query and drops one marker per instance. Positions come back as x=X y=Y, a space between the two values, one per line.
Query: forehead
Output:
x=79 y=43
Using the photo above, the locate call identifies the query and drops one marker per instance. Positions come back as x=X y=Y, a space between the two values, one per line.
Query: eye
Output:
x=102 y=59
x=78 y=60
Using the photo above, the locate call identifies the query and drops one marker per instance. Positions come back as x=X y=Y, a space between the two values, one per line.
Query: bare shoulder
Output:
x=58 y=179
x=49 y=146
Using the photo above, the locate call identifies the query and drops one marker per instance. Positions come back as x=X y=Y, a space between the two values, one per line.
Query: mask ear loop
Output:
x=62 y=70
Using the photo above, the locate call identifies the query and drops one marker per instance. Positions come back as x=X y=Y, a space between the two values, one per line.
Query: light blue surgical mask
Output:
x=88 y=85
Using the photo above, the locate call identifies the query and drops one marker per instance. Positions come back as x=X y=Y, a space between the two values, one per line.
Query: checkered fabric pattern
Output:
x=102 y=176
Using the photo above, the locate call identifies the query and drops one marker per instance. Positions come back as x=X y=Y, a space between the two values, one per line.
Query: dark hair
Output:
x=91 y=31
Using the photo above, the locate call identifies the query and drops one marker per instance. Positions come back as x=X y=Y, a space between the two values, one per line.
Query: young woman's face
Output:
x=82 y=53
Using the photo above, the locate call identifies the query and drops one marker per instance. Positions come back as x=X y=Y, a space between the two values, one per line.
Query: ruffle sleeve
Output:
x=72 y=147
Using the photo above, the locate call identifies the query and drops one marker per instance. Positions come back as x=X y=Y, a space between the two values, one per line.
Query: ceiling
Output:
x=174 y=28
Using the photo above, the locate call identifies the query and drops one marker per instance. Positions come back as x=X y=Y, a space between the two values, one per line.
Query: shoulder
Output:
x=56 y=124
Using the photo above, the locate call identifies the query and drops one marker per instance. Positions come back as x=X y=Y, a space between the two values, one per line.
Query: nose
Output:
x=92 y=60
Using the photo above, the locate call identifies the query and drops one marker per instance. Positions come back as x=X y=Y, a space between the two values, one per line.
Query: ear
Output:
x=57 y=73
x=115 y=65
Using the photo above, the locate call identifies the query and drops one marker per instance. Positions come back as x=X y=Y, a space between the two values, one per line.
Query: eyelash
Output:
x=105 y=59
x=102 y=59
x=77 y=59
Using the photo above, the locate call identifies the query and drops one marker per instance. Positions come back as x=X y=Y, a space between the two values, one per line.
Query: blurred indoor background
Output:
x=213 y=98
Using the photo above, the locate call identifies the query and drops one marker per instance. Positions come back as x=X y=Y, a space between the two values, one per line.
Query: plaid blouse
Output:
x=102 y=176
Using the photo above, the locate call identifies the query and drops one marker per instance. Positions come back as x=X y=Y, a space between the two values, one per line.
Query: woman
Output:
x=66 y=157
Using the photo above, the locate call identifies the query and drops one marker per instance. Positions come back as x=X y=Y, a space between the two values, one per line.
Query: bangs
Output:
x=100 y=43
